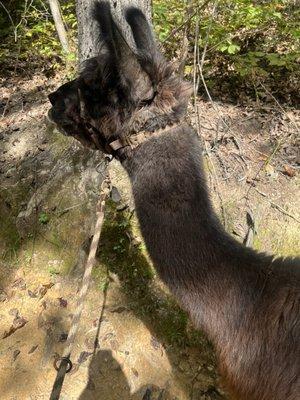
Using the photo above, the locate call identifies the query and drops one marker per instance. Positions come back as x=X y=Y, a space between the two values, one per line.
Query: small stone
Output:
x=115 y=195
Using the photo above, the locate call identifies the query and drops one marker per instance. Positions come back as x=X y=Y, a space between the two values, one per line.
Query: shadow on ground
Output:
x=188 y=351
x=107 y=381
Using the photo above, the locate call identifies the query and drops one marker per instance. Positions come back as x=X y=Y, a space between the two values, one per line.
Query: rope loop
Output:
x=62 y=360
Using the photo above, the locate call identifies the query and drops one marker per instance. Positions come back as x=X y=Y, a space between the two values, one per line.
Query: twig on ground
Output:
x=279 y=208
x=280 y=107
x=65 y=210
x=263 y=165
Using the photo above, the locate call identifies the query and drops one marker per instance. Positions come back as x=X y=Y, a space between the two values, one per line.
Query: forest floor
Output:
x=48 y=190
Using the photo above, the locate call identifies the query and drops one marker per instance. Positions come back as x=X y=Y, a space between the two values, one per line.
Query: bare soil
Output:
x=48 y=190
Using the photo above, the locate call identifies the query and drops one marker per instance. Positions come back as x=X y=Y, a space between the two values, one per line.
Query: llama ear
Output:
x=124 y=62
x=149 y=55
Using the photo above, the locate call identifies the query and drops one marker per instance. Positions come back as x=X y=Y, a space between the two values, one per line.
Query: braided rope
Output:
x=65 y=364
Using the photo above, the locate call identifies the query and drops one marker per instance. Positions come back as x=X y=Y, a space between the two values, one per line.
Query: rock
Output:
x=115 y=195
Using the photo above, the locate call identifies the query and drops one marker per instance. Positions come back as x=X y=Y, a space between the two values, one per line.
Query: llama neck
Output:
x=191 y=251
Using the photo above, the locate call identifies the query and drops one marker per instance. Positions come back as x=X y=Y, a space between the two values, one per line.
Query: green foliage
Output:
x=43 y=218
x=248 y=41
x=28 y=37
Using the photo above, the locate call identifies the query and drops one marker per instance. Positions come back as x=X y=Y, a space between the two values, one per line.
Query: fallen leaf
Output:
x=18 y=323
x=62 y=302
x=84 y=355
x=288 y=170
x=43 y=289
x=32 y=294
x=19 y=284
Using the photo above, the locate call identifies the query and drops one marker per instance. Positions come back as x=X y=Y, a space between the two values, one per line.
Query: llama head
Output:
x=121 y=91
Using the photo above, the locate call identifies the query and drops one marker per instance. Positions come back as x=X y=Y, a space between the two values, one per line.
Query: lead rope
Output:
x=65 y=365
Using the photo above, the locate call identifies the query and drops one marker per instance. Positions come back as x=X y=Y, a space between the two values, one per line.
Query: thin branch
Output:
x=201 y=63
x=11 y=20
x=279 y=208
x=195 y=81
x=186 y=21
x=280 y=106
x=263 y=165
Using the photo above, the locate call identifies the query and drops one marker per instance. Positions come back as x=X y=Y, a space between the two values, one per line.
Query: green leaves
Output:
x=43 y=218
x=248 y=40
x=230 y=48
x=37 y=41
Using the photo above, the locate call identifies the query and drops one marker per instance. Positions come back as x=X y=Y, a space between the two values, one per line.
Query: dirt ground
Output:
x=48 y=189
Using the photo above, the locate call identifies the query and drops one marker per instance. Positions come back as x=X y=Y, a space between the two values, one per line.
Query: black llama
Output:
x=130 y=104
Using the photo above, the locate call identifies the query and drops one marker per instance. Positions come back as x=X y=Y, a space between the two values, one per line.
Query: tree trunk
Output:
x=59 y=24
x=88 y=34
